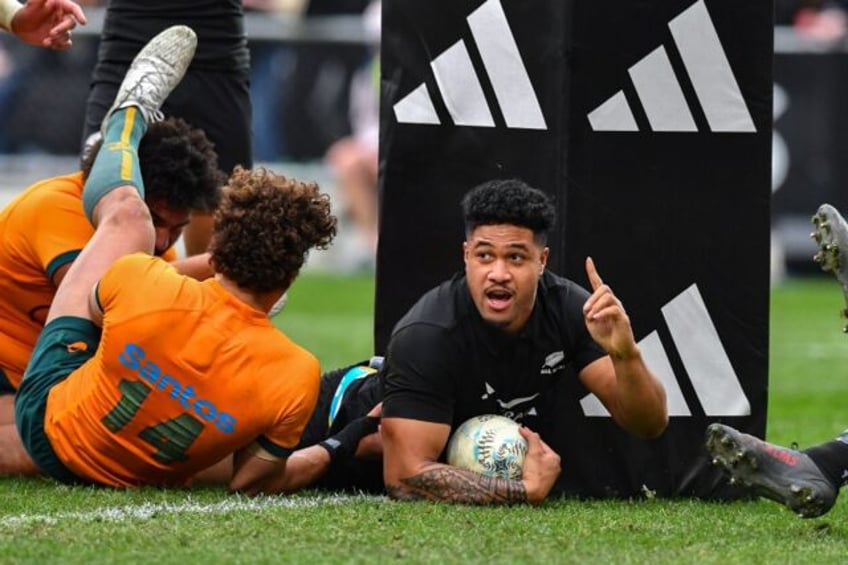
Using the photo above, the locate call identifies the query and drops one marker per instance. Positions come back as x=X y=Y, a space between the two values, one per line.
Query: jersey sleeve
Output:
x=419 y=383
x=57 y=238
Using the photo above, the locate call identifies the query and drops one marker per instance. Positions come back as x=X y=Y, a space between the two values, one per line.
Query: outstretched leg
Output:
x=113 y=196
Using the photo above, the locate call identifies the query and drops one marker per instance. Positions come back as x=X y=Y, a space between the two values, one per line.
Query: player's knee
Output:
x=127 y=213
x=124 y=207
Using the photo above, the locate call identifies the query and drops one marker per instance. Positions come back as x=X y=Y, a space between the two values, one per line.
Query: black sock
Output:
x=832 y=459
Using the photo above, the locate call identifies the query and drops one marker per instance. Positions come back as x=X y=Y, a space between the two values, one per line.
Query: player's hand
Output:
x=48 y=23
x=371 y=446
x=343 y=444
x=377 y=411
x=606 y=319
x=541 y=467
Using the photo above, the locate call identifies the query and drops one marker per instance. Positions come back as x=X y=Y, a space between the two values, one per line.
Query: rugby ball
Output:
x=490 y=445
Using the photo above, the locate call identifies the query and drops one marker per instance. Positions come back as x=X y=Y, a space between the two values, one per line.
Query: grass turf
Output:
x=42 y=522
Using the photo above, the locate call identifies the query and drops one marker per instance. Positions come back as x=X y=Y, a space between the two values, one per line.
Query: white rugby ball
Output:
x=490 y=445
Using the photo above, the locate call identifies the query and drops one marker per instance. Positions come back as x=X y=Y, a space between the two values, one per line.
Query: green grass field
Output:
x=41 y=522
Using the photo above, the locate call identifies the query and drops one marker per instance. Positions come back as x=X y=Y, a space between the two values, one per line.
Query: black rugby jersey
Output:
x=446 y=364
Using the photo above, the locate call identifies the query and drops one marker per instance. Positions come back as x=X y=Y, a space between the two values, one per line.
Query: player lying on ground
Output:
x=495 y=340
x=44 y=229
x=340 y=448
x=183 y=372
x=808 y=481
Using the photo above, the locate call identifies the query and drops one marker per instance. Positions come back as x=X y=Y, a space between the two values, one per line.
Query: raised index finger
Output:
x=76 y=12
x=594 y=277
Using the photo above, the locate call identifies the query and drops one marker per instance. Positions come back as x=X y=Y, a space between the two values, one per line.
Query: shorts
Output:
x=63 y=346
x=332 y=399
x=346 y=394
x=217 y=102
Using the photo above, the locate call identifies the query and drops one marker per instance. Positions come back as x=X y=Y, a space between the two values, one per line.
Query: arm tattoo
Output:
x=451 y=484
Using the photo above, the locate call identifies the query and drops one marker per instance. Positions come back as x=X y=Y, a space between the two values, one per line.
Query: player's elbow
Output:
x=399 y=491
x=252 y=486
x=400 y=483
x=650 y=426
x=657 y=428
x=243 y=486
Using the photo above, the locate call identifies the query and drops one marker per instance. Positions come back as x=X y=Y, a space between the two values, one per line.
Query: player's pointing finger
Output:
x=594 y=277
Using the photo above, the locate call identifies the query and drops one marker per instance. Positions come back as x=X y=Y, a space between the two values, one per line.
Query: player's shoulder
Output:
x=139 y=260
x=274 y=346
x=555 y=286
x=57 y=188
x=140 y=268
x=439 y=307
x=48 y=194
x=291 y=367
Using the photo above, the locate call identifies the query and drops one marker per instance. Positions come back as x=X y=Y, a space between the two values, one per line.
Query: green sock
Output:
x=116 y=163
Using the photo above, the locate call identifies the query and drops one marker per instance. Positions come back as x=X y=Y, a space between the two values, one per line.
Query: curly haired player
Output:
x=44 y=229
x=183 y=372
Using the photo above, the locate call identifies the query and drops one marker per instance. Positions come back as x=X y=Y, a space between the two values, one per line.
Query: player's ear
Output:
x=543 y=259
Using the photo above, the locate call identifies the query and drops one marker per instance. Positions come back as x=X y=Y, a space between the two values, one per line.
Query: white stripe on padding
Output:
x=709 y=70
x=502 y=60
x=613 y=115
x=461 y=88
x=704 y=358
x=148 y=510
x=416 y=108
x=660 y=93
x=657 y=361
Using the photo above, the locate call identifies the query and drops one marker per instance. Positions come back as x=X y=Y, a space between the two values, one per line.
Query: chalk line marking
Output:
x=148 y=510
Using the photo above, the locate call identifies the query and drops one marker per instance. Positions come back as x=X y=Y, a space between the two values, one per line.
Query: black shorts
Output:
x=339 y=402
x=346 y=394
x=217 y=102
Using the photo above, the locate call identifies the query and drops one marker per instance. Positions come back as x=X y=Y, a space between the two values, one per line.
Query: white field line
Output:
x=148 y=510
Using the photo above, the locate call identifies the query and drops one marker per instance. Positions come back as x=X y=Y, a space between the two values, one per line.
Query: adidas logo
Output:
x=460 y=85
x=705 y=360
x=660 y=92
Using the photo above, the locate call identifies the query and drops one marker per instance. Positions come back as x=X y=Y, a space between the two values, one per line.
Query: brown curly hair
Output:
x=178 y=164
x=265 y=226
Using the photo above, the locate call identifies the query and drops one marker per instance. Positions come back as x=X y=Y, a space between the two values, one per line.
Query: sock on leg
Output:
x=832 y=459
x=117 y=162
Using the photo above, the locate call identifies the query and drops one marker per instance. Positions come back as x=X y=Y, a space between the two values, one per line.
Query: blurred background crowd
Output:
x=314 y=88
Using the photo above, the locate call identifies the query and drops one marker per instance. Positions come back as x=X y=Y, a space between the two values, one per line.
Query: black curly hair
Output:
x=265 y=226
x=509 y=201
x=178 y=164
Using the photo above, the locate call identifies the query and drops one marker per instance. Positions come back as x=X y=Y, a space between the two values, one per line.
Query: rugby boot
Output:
x=831 y=236
x=156 y=70
x=777 y=473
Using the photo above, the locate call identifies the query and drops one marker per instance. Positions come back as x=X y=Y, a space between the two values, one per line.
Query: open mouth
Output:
x=498 y=298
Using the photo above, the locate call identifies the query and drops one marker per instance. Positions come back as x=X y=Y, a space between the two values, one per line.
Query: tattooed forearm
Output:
x=454 y=485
